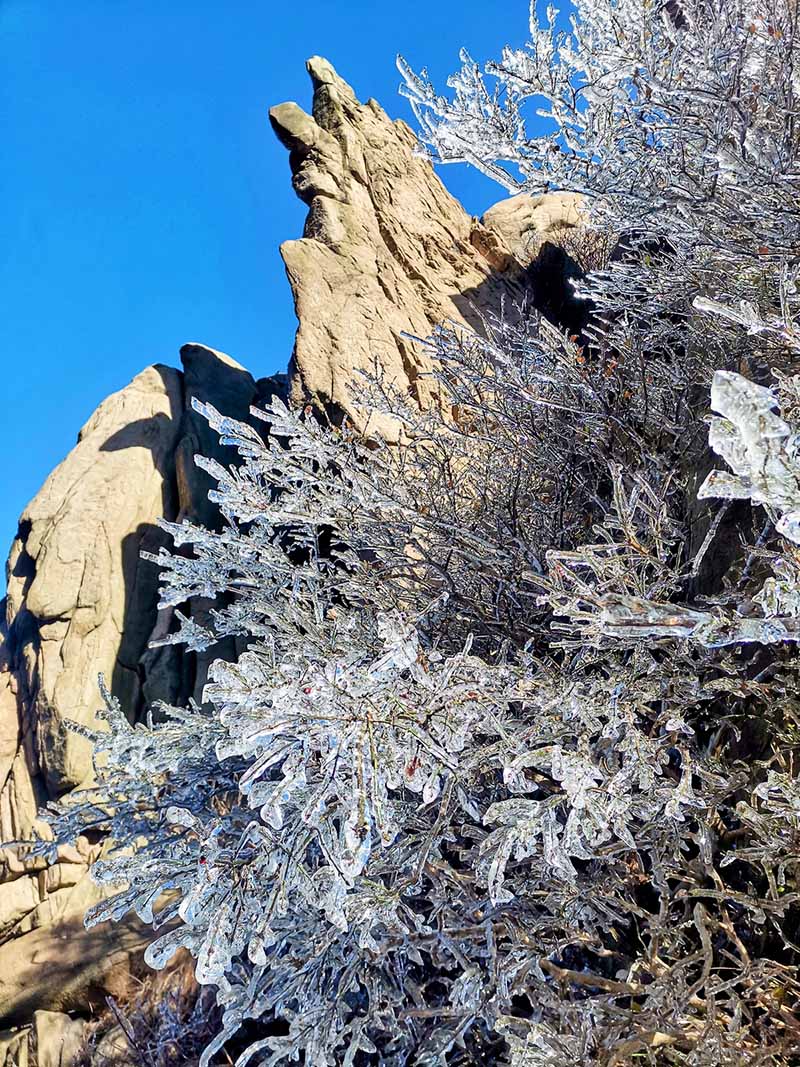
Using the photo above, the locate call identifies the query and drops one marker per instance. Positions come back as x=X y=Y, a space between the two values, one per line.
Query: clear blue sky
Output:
x=143 y=195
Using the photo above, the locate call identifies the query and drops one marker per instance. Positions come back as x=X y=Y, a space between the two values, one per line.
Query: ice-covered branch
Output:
x=761 y=449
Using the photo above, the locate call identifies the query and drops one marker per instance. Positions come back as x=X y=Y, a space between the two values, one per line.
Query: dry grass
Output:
x=590 y=248
x=167 y=1021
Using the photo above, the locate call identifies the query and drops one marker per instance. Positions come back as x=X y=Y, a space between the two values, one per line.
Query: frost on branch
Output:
x=761 y=449
x=676 y=122
x=406 y=810
x=377 y=836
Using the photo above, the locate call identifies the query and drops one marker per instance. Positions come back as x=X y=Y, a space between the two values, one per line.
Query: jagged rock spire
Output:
x=386 y=250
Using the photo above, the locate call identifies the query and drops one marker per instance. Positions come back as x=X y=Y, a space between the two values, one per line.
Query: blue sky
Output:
x=143 y=195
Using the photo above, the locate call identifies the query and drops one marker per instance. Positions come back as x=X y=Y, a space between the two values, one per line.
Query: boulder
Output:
x=80 y=602
x=524 y=223
x=57 y=1039
x=64 y=967
x=14 y=1047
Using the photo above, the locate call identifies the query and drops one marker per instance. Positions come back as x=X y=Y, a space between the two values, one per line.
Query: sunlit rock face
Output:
x=386 y=252
x=82 y=602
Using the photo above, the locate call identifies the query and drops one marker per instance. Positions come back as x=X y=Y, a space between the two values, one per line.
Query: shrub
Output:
x=506 y=770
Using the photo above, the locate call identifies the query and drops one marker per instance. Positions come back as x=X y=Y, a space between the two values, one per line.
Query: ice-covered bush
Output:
x=506 y=772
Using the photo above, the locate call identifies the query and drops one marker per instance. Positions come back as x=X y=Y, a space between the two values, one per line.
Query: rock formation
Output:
x=386 y=252
x=81 y=602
